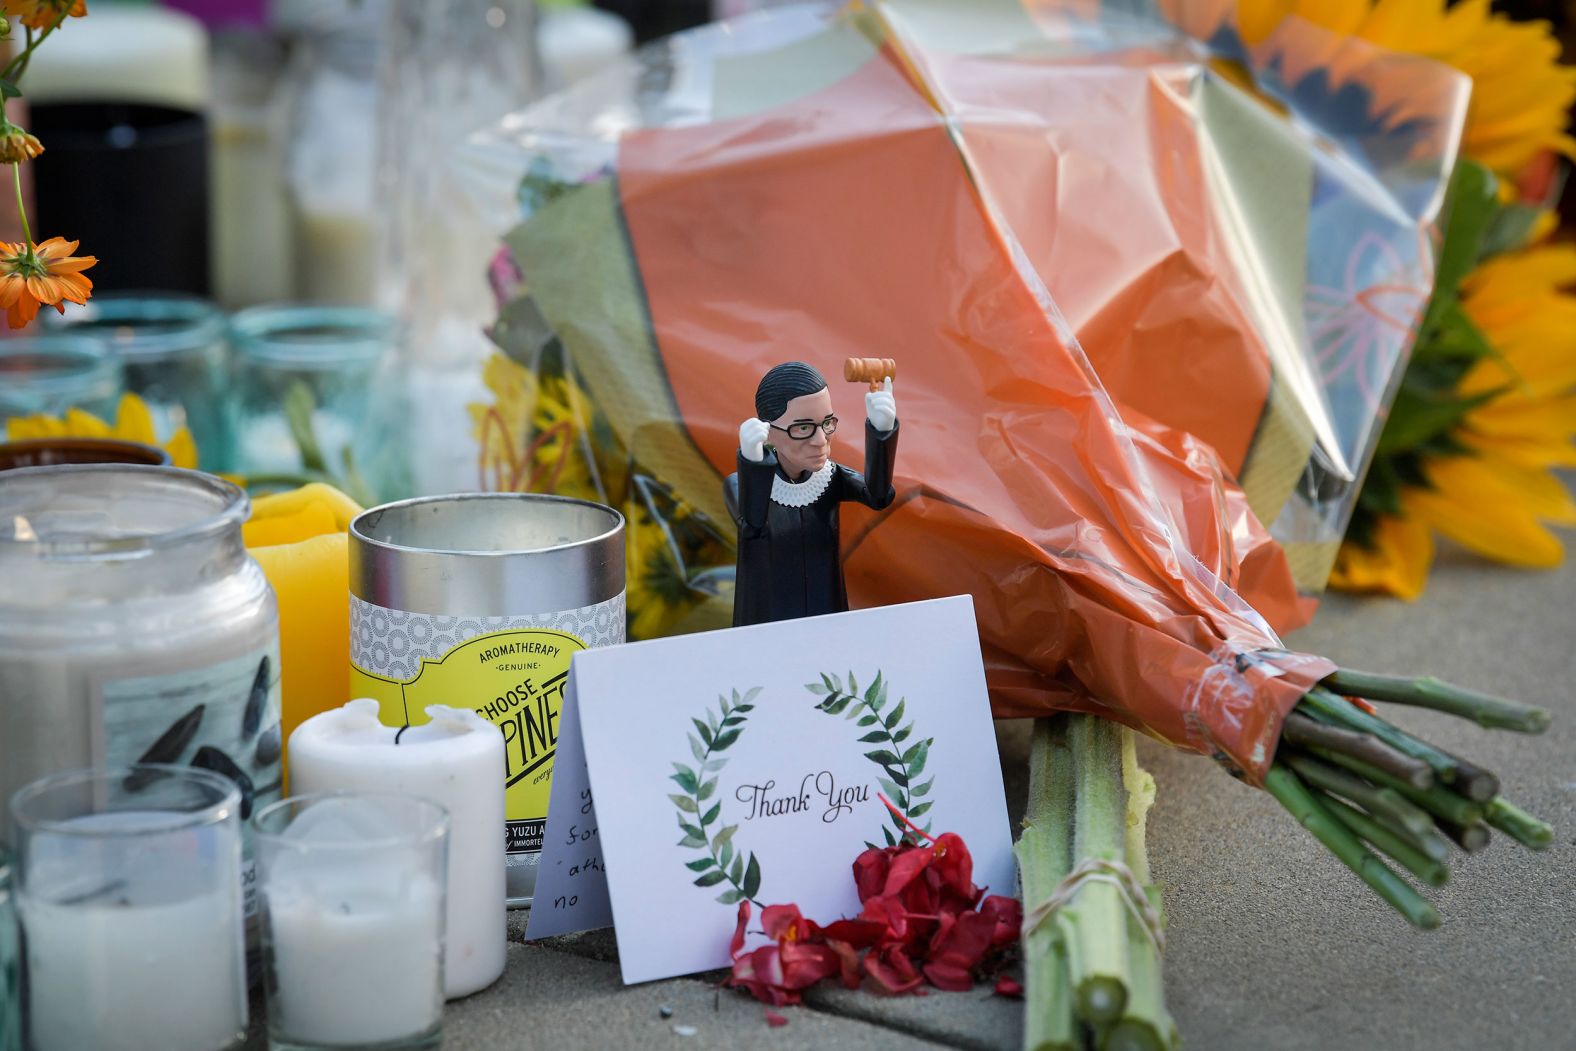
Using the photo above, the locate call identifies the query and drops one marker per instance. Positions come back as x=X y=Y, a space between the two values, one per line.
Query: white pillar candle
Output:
x=457 y=760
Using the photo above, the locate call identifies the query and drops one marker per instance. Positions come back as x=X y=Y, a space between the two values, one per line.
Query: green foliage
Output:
x=718 y=732
x=1429 y=407
x=902 y=766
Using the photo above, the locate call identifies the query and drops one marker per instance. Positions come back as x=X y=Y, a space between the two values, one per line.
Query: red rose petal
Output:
x=775 y=1020
x=1009 y=988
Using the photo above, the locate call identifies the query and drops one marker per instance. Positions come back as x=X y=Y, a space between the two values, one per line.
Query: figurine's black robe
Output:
x=789 y=563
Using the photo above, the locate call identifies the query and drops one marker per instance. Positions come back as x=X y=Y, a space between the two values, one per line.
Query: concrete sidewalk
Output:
x=1272 y=944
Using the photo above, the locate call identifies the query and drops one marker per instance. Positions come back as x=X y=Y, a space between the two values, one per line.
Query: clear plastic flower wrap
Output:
x=1137 y=311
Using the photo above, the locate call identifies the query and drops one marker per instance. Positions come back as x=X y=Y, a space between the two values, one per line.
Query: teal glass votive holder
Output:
x=10 y=961
x=174 y=354
x=50 y=374
x=312 y=393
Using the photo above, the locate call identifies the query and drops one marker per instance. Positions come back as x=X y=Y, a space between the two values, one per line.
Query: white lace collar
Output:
x=805 y=493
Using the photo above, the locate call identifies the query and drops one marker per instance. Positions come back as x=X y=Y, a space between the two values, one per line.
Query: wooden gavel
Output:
x=869 y=370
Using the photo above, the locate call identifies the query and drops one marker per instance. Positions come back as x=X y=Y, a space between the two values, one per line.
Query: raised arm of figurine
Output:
x=881 y=408
x=748 y=493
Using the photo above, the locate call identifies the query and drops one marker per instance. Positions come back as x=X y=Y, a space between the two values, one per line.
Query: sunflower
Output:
x=1520 y=92
x=34 y=275
x=42 y=14
x=133 y=423
x=1488 y=483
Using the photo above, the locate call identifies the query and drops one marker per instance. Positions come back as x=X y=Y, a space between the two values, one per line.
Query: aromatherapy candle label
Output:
x=754 y=764
x=509 y=670
x=222 y=717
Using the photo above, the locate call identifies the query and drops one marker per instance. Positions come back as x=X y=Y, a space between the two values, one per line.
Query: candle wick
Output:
x=402 y=729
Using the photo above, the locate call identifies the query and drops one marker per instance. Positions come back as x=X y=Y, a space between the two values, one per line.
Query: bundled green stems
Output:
x=1366 y=788
x=1091 y=952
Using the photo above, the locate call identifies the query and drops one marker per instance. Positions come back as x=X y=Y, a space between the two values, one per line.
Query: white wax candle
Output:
x=457 y=760
x=154 y=958
x=355 y=967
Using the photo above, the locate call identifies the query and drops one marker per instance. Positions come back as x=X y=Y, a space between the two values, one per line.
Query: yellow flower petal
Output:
x=81 y=424
x=134 y=422
x=339 y=507
x=1397 y=563
x=1474 y=504
x=182 y=449
x=22 y=428
x=290 y=528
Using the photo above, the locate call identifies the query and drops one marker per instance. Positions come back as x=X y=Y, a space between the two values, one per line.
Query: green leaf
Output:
x=752 y=877
x=699 y=865
x=875 y=689
x=919 y=809
x=733 y=720
x=1418 y=416
x=1509 y=229
x=902 y=734
x=735 y=694
x=684 y=803
x=891 y=790
x=924 y=789
x=869 y=720
x=685 y=780
x=921 y=751
x=693 y=841
x=299 y=404
x=819 y=689
x=725 y=855
x=710 y=879
x=873 y=736
x=837 y=684
x=695 y=747
x=884 y=757
x=704 y=730
x=724 y=837
x=711 y=721
x=713 y=765
x=853 y=685
x=705 y=790
x=752 y=693
x=826 y=680
x=729 y=897
x=897 y=822
x=727 y=739
x=747 y=707
x=895 y=716
x=737 y=871
x=711 y=815
x=1471 y=204
x=887 y=832
x=9 y=90
x=899 y=775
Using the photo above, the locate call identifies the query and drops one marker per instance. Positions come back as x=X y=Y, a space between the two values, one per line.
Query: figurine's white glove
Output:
x=881 y=409
x=752 y=439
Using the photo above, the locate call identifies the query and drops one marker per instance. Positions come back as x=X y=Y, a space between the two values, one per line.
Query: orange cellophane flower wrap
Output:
x=1100 y=554
x=299 y=539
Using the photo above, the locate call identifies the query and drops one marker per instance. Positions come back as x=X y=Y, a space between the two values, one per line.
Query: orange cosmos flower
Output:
x=41 y=14
x=32 y=275
x=17 y=145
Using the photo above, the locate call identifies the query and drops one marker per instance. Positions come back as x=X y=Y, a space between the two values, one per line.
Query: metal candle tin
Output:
x=479 y=600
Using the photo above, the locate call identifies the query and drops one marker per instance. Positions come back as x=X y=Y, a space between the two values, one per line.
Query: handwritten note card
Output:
x=571 y=886
x=751 y=764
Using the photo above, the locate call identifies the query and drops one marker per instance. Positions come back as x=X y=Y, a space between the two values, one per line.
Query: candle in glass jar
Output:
x=356 y=967
x=455 y=759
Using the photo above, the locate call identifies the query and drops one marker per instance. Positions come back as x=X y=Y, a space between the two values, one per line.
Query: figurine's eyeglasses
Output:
x=801 y=430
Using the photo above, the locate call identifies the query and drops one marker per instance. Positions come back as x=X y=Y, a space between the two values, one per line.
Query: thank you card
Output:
x=756 y=764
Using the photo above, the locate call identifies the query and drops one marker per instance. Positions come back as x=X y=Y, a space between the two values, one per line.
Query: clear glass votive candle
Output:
x=129 y=893
x=174 y=351
x=353 y=888
x=50 y=374
x=322 y=369
x=10 y=960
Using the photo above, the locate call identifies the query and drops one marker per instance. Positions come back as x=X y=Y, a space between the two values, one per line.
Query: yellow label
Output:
x=515 y=680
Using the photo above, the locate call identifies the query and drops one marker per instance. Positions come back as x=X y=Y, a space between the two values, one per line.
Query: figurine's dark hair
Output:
x=784 y=383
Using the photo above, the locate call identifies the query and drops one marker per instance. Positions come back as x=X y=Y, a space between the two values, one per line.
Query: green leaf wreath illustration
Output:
x=903 y=762
x=699 y=813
